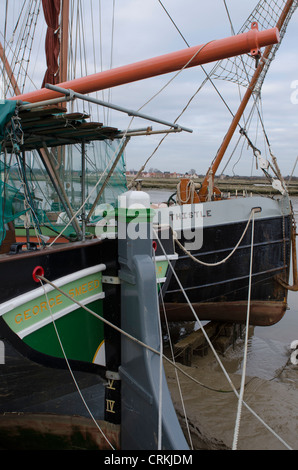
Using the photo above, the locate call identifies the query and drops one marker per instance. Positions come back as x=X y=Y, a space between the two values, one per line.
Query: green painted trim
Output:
x=161 y=268
x=137 y=215
x=80 y=333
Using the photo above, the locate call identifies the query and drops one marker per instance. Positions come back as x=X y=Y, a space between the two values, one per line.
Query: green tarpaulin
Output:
x=8 y=194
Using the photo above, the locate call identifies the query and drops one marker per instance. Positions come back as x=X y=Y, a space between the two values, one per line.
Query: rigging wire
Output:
x=104 y=320
x=229 y=17
x=184 y=109
x=241 y=58
x=161 y=354
x=175 y=25
x=4 y=51
x=208 y=75
x=111 y=59
x=22 y=40
x=256 y=96
x=101 y=55
x=97 y=183
x=107 y=322
x=215 y=353
x=175 y=369
x=93 y=45
x=70 y=369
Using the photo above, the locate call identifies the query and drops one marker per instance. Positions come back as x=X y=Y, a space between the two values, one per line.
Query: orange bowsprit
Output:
x=249 y=42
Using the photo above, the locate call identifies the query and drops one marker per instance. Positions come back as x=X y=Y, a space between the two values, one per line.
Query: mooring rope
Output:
x=241 y=394
x=42 y=278
x=215 y=353
x=71 y=372
x=159 y=439
x=141 y=343
x=176 y=374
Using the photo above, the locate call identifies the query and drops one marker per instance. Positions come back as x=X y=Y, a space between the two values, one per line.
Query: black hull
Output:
x=47 y=402
x=221 y=292
x=41 y=407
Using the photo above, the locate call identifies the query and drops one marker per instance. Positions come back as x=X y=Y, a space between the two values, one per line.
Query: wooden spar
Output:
x=9 y=72
x=212 y=170
x=249 y=42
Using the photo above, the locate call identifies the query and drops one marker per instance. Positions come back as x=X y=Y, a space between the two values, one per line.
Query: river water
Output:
x=271 y=389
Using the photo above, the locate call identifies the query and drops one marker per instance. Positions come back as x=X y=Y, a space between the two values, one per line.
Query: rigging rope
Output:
x=159 y=440
x=42 y=278
x=175 y=369
x=182 y=112
x=107 y=322
x=227 y=257
x=208 y=75
x=241 y=394
x=267 y=14
x=215 y=353
x=19 y=56
x=71 y=372
x=111 y=58
x=97 y=183
x=175 y=25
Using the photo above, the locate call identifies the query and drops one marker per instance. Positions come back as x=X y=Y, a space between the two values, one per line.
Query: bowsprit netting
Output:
x=240 y=70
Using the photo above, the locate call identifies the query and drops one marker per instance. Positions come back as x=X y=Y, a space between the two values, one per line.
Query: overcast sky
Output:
x=142 y=30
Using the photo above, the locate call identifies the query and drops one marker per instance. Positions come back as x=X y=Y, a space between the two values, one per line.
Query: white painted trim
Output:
x=226 y=211
x=33 y=294
x=165 y=258
x=110 y=280
x=100 y=355
x=31 y=329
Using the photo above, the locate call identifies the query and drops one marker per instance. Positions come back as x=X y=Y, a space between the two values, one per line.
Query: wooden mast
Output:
x=213 y=168
x=190 y=57
x=64 y=41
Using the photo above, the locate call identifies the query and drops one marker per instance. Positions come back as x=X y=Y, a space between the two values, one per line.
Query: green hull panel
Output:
x=80 y=333
x=54 y=324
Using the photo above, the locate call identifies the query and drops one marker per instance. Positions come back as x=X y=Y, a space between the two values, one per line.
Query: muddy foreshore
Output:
x=212 y=406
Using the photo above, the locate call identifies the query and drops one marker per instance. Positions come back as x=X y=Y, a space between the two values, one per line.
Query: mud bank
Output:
x=212 y=411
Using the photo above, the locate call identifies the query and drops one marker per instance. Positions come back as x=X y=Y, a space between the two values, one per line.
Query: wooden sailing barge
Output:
x=79 y=321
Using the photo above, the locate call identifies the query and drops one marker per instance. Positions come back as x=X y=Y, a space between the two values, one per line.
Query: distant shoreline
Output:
x=227 y=185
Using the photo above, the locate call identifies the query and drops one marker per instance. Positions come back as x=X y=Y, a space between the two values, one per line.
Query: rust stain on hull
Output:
x=262 y=313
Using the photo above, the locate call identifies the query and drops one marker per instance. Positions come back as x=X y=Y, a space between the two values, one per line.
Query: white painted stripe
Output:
x=226 y=211
x=31 y=329
x=100 y=355
x=28 y=296
x=165 y=258
x=160 y=280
